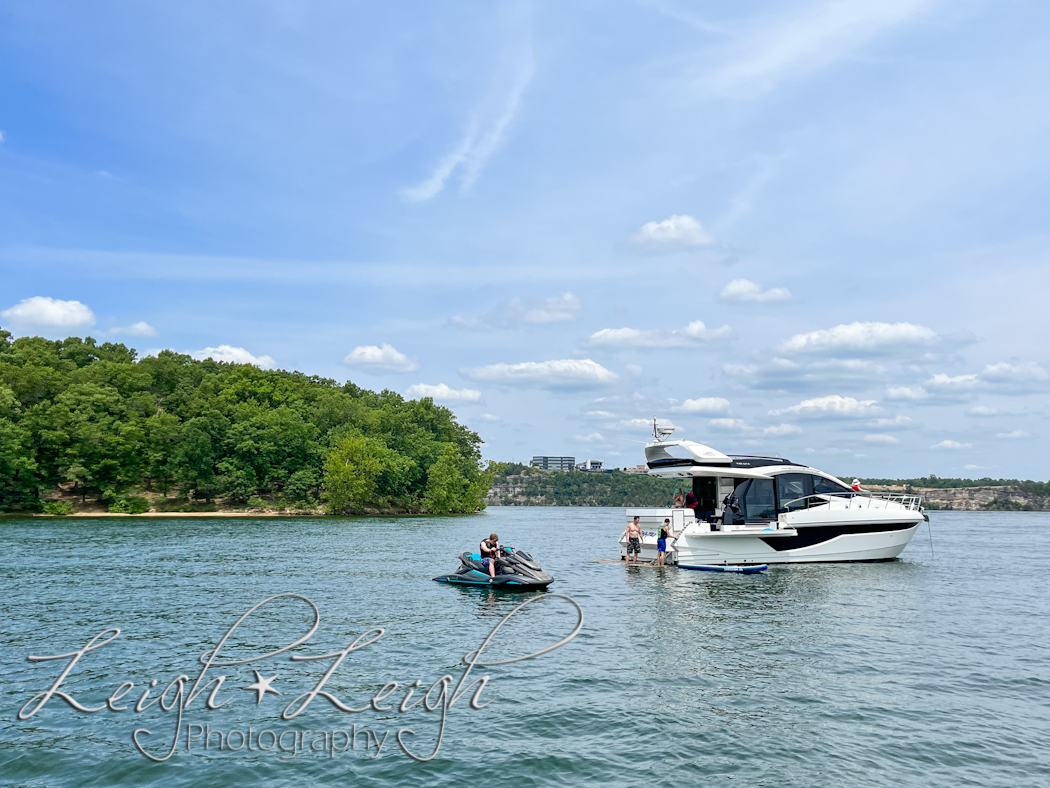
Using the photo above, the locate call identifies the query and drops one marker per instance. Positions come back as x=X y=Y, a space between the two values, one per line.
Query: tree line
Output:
x=101 y=422
x=581 y=488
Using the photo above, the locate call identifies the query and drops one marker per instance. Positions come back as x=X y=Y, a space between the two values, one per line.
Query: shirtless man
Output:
x=634 y=540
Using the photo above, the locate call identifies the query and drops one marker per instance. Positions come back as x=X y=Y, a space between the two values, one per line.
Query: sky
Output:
x=802 y=228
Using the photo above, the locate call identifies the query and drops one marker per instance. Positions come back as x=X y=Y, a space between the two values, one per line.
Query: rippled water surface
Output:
x=932 y=670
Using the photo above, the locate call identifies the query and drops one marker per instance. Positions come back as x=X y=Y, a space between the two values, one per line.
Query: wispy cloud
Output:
x=690 y=336
x=443 y=393
x=833 y=406
x=786 y=47
x=139 y=329
x=481 y=139
x=559 y=373
x=741 y=291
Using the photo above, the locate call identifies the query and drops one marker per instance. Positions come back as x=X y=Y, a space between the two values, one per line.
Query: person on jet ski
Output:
x=489 y=553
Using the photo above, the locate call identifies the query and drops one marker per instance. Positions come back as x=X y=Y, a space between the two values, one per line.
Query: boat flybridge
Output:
x=766 y=510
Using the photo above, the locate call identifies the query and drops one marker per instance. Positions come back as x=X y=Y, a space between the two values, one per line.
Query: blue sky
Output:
x=817 y=229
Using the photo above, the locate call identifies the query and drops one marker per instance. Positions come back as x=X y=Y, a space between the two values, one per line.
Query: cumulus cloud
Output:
x=741 y=291
x=690 y=336
x=517 y=312
x=780 y=430
x=560 y=373
x=881 y=438
x=832 y=406
x=671 y=235
x=594 y=437
x=1013 y=373
x=728 y=425
x=942 y=382
x=907 y=393
x=233 y=355
x=982 y=410
x=1014 y=434
x=950 y=444
x=139 y=329
x=44 y=312
x=382 y=359
x=704 y=406
x=442 y=393
x=863 y=338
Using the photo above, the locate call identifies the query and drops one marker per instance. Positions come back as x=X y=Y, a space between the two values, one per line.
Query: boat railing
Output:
x=856 y=500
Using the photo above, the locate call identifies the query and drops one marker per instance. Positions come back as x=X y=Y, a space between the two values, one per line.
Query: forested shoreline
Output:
x=84 y=424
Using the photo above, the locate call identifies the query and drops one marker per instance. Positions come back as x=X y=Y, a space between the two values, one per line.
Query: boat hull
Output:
x=884 y=544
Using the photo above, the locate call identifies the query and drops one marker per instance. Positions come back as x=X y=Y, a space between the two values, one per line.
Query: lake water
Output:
x=933 y=670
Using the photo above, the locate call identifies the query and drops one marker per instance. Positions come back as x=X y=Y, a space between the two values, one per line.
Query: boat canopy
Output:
x=684 y=453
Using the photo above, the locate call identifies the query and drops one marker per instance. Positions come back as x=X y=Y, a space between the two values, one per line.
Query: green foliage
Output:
x=585 y=488
x=96 y=419
x=131 y=504
x=937 y=483
x=58 y=508
x=1007 y=505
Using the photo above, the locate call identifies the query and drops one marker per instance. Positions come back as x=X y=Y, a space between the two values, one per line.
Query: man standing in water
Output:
x=634 y=539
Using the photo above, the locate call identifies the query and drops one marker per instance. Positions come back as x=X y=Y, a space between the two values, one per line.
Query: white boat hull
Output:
x=734 y=548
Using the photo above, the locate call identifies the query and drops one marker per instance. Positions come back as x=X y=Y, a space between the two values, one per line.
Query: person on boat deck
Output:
x=489 y=553
x=661 y=541
x=856 y=485
x=691 y=503
x=634 y=539
x=679 y=499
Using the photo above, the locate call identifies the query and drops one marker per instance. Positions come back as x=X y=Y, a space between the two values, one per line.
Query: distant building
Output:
x=642 y=469
x=590 y=465
x=553 y=463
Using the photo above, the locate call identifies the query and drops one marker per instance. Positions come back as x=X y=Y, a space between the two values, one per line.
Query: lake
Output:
x=932 y=670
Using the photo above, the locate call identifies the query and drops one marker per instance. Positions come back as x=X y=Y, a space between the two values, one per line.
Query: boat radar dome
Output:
x=662 y=429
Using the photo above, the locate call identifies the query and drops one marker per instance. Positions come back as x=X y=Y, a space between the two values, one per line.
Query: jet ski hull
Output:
x=514 y=572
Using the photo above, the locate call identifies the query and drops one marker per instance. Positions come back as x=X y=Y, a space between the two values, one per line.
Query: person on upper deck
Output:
x=679 y=499
x=856 y=485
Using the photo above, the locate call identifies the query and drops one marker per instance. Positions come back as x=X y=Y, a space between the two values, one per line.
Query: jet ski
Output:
x=515 y=571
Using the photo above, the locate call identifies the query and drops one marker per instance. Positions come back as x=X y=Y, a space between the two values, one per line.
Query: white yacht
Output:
x=767 y=510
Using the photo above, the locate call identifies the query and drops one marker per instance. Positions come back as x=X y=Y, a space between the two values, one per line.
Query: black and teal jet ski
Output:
x=515 y=571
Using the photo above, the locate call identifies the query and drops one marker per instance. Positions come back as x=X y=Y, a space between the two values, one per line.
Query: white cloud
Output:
x=560 y=373
x=971 y=467
x=832 y=406
x=1013 y=373
x=896 y=423
x=982 y=410
x=442 y=393
x=383 y=359
x=704 y=406
x=728 y=425
x=517 y=311
x=906 y=393
x=780 y=430
x=781 y=374
x=950 y=444
x=43 y=312
x=233 y=355
x=942 y=382
x=594 y=437
x=634 y=369
x=690 y=336
x=2 y=138
x=678 y=232
x=881 y=438
x=479 y=142
x=139 y=329
x=861 y=338
x=741 y=291
x=600 y=414
x=489 y=417
x=1014 y=434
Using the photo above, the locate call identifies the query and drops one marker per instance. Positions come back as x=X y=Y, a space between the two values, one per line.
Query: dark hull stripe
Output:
x=807 y=537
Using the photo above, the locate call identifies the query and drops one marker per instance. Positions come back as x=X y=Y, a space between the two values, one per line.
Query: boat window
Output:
x=758 y=501
x=792 y=491
x=823 y=485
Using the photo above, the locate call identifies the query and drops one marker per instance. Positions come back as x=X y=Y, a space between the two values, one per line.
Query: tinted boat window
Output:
x=822 y=485
x=792 y=491
x=758 y=501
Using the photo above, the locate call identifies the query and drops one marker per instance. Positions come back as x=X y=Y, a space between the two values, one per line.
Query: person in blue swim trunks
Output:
x=489 y=552
x=661 y=542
